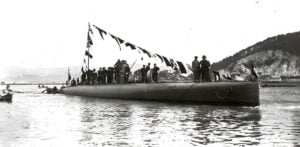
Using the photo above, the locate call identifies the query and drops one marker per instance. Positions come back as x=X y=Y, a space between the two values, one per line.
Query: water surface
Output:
x=36 y=119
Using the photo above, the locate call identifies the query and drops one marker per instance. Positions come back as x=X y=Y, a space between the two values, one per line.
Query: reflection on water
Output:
x=35 y=119
x=127 y=123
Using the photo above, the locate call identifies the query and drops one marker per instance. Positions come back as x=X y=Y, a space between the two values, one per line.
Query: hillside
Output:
x=279 y=55
x=37 y=75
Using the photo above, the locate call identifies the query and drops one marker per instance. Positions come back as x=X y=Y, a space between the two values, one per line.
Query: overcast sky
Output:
x=38 y=33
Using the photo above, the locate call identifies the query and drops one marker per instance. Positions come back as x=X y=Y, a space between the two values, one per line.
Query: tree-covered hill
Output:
x=279 y=55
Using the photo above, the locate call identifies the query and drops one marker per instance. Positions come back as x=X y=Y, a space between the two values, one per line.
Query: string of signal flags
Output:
x=119 y=41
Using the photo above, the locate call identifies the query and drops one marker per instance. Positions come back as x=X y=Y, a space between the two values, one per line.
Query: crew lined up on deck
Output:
x=119 y=74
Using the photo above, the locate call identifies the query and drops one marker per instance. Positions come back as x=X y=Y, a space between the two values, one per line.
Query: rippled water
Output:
x=35 y=119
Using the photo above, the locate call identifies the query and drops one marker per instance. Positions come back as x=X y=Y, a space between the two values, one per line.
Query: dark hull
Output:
x=6 y=98
x=220 y=93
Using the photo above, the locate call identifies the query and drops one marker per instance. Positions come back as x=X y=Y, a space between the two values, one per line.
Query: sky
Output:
x=53 y=33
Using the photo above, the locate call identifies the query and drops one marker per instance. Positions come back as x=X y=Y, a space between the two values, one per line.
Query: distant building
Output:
x=2 y=83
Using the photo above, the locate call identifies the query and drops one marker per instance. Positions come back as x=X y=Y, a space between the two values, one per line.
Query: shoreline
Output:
x=279 y=83
x=33 y=84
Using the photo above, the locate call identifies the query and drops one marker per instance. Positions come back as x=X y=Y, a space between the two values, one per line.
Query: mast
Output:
x=88 y=60
x=88 y=45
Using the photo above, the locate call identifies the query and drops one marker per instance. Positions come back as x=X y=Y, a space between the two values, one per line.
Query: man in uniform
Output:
x=99 y=76
x=83 y=77
x=127 y=72
x=117 y=67
x=205 y=65
x=110 y=75
x=104 y=75
x=155 y=73
x=144 y=74
x=88 y=76
x=148 y=69
x=94 y=77
x=196 y=69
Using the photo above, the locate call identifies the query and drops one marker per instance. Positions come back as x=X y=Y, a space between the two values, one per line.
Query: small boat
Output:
x=52 y=90
x=7 y=97
x=218 y=93
x=41 y=86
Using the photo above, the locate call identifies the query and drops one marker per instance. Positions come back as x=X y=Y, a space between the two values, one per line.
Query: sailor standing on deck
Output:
x=83 y=77
x=196 y=69
x=127 y=73
x=93 y=77
x=89 y=76
x=144 y=74
x=205 y=65
x=155 y=73
x=104 y=75
x=117 y=67
x=110 y=75
x=99 y=78
x=148 y=79
x=122 y=73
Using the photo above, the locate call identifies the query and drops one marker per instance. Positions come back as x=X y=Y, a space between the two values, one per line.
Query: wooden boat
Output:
x=7 y=97
x=219 y=93
x=52 y=90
